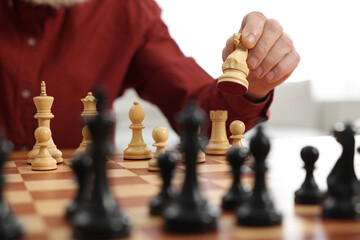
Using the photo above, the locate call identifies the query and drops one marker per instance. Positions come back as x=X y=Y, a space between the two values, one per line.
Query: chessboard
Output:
x=39 y=198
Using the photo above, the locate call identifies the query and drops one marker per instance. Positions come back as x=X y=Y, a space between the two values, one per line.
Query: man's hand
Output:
x=272 y=56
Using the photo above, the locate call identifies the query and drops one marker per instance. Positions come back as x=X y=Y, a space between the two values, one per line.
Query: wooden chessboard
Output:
x=39 y=199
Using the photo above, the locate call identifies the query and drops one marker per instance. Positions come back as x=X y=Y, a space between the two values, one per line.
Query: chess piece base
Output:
x=153 y=165
x=342 y=208
x=233 y=82
x=201 y=218
x=248 y=215
x=230 y=201
x=137 y=153
x=43 y=164
x=113 y=226
x=308 y=196
x=216 y=149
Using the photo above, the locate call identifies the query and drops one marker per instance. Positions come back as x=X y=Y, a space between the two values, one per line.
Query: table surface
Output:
x=38 y=199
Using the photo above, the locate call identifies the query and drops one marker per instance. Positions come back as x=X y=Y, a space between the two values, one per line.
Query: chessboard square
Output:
x=9 y=164
x=60 y=168
x=21 y=163
x=215 y=175
x=132 y=202
x=59 y=194
x=119 y=173
x=15 y=186
x=124 y=191
x=272 y=232
x=134 y=164
x=8 y=171
x=13 y=178
x=156 y=179
x=15 y=197
x=47 y=176
x=53 y=207
x=224 y=183
x=211 y=168
x=33 y=224
x=126 y=180
x=56 y=222
x=113 y=165
x=214 y=196
x=143 y=171
x=60 y=234
x=50 y=185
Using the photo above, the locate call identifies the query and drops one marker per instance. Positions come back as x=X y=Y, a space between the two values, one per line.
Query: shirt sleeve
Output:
x=162 y=75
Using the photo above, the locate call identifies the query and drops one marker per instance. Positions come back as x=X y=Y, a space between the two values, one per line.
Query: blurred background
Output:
x=324 y=89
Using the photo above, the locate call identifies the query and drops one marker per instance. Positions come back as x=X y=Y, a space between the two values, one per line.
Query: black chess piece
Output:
x=100 y=218
x=167 y=163
x=342 y=181
x=309 y=192
x=81 y=165
x=10 y=228
x=236 y=194
x=190 y=212
x=258 y=209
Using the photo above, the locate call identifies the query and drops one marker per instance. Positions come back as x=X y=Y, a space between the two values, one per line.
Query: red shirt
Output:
x=118 y=43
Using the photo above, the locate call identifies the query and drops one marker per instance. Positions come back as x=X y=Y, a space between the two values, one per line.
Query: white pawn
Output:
x=137 y=149
x=237 y=129
x=43 y=161
x=160 y=136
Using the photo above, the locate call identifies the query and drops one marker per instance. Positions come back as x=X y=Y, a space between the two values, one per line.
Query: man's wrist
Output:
x=256 y=98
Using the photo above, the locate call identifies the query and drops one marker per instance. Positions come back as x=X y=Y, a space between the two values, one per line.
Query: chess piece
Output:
x=236 y=194
x=235 y=70
x=190 y=212
x=100 y=218
x=44 y=161
x=160 y=135
x=10 y=228
x=309 y=192
x=89 y=103
x=81 y=165
x=218 y=144
x=201 y=157
x=237 y=129
x=342 y=181
x=258 y=209
x=43 y=105
x=167 y=162
x=137 y=149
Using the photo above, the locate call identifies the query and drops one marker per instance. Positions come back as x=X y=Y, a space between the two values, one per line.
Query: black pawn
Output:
x=190 y=212
x=10 y=228
x=309 y=192
x=81 y=165
x=236 y=194
x=167 y=163
x=100 y=218
x=258 y=209
x=342 y=182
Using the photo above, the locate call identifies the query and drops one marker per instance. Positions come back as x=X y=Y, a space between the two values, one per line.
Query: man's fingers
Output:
x=252 y=29
x=281 y=48
x=284 y=68
x=271 y=33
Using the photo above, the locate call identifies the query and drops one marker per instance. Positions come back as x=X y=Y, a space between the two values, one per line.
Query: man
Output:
x=75 y=45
